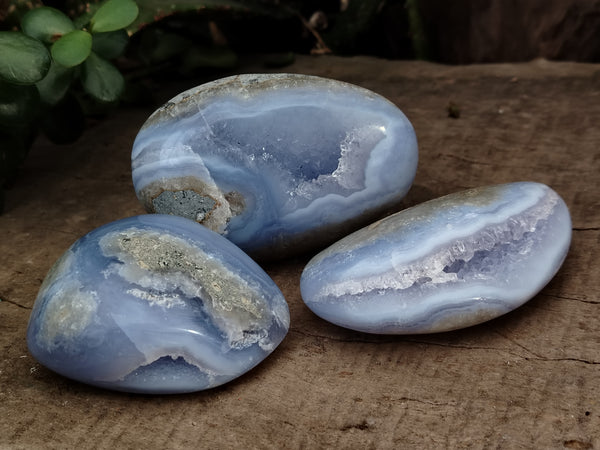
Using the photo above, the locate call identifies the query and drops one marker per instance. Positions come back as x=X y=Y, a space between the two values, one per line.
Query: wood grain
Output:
x=530 y=379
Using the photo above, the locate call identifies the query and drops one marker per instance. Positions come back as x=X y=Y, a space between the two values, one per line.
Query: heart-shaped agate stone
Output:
x=448 y=263
x=155 y=304
x=278 y=163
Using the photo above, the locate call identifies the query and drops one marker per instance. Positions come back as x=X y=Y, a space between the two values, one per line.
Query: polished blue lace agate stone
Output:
x=155 y=304
x=277 y=163
x=448 y=263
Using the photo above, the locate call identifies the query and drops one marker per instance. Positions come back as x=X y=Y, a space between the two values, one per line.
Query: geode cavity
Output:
x=155 y=304
x=277 y=163
x=448 y=263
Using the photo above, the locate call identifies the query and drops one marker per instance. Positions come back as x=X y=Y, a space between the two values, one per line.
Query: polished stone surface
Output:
x=277 y=163
x=155 y=304
x=448 y=263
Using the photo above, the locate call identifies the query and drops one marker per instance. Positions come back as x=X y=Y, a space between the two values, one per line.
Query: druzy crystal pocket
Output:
x=448 y=263
x=278 y=163
x=155 y=304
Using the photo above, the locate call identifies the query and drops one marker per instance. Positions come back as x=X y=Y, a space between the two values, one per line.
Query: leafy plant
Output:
x=40 y=66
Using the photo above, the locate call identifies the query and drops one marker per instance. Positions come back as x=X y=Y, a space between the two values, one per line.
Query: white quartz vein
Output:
x=432 y=269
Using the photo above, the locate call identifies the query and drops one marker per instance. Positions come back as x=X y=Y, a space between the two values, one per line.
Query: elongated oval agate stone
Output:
x=446 y=264
x=277 y=163
x=155 y=304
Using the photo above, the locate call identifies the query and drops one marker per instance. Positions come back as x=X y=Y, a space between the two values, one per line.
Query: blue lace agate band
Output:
x=278 y=163
x=448 y=263
x=155 y=304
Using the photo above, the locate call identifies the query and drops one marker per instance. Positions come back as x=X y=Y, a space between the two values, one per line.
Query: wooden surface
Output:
x=530 y=379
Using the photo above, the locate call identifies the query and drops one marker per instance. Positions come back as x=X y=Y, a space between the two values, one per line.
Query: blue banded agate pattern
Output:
x=448 y=263
x=155 y=304
x=277 y=163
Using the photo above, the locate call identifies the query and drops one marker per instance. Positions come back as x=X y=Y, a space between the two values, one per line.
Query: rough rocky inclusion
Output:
x=155 y=304
x=278 y=163
x=445 y=264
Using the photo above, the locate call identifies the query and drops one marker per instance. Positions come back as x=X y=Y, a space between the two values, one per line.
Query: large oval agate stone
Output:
x=448 y=263
x=278 y=163
x=155 y=304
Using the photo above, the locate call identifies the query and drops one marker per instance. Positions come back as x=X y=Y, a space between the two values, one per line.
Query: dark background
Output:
x=453 y=32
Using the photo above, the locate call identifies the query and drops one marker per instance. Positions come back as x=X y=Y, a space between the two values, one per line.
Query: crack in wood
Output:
x=578 y=360
x=408 y=339
x=424 y=402
x=364 y=425
x=2 y=299
x=539 y=357
x=577 y=444
x=521 y=346
x=535 y=356
x=575 y=299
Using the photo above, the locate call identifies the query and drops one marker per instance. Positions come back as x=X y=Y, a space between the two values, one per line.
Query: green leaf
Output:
x=110 y=45
x=46 y=24
x=114 y=15
x=18 y=105
x=73 y=48
x=84 y=19
x=101 y=79
x=24 y=59
x=55 y=84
